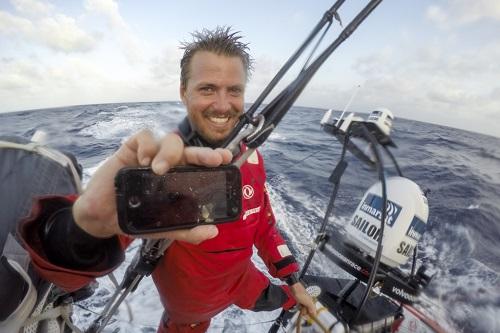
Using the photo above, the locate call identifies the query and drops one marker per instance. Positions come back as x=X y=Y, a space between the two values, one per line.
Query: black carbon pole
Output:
x=276 y=110
x=327 y=18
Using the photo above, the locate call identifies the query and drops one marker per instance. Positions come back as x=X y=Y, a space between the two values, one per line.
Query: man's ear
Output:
x=182 y=93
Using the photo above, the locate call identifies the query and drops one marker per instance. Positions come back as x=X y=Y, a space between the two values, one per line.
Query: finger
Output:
x=310 y=307
x=206 y=156
x=193 y=236
x=226 y=154
x=169 y=155
x=147 y=148
x=142 y=143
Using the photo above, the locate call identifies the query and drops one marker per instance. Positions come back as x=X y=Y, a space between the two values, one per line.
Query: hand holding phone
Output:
x=183 y=198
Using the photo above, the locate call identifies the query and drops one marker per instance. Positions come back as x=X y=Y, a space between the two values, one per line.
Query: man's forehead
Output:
x=206 y=56
x=207 y=63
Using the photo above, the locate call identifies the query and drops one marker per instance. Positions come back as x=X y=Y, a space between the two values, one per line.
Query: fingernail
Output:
x=212 y=232
x=145 y=161
x=160 y=167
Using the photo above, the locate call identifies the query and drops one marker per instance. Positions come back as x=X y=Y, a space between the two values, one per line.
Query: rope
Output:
x=63 y=311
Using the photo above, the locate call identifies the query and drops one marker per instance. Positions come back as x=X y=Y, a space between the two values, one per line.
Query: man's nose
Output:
x=222 y=102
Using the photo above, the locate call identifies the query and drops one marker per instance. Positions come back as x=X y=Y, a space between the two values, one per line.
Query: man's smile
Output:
x=219 y=120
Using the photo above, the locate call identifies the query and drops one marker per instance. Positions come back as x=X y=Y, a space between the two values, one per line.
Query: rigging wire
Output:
x=306 y=64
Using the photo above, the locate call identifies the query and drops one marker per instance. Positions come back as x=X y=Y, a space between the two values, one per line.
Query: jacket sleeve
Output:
x=61 y=252
x=271 y=246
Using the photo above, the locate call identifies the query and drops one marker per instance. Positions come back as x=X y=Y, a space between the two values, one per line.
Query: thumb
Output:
x=311 y=309
x=194 y=236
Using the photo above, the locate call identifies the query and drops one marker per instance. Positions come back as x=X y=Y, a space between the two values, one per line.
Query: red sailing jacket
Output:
x=195 y=282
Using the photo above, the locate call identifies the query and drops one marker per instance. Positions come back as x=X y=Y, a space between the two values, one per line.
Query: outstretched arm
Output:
x=70 y=244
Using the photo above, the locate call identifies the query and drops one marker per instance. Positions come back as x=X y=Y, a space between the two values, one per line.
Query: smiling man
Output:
x=212 y=88
x=207 y=268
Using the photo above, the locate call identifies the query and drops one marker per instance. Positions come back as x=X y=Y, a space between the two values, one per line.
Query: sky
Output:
x=433 y=61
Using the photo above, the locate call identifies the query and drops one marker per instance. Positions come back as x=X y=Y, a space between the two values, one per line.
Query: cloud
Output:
x=439 y=60
x=70 y=76
x=447 y=93
x=459 y=12
x=32 y=8
x=130 y=44
x=32 y=83
x=11 y=25
x=436 y=14
x=165 y=69
x=57 y=31
x=109 y=9
x=265 y=68
x=18 y=75
x=435 y=81
x=61 y=33
x=34 y=76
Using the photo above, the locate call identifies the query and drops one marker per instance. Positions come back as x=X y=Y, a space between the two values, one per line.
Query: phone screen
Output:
x=182 y=198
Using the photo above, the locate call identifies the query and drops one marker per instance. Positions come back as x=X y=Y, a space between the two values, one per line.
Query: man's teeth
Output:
x=219 y=120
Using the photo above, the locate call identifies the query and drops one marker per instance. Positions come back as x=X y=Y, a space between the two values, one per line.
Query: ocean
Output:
x=461 y=169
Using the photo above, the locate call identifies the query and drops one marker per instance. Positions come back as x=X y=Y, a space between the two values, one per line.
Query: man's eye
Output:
x=235 y=91
x=207 y=89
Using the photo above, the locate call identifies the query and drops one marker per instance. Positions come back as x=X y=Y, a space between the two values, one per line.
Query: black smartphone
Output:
x=183 y=198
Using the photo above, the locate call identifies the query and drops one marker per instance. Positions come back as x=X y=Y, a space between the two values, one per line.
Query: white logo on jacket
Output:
x=248 y=191
x=250 y=212
x=284 y=250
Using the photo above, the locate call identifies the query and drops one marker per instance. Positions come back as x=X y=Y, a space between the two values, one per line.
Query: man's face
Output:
x=213 y=94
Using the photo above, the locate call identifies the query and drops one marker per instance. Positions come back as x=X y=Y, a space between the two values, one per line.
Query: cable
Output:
x=378 y=254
